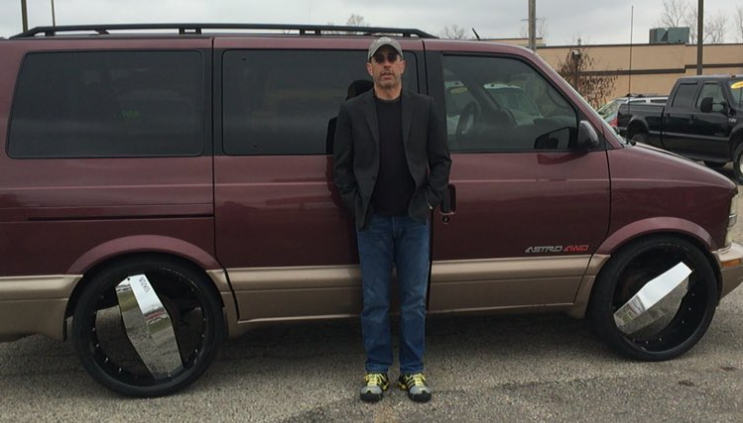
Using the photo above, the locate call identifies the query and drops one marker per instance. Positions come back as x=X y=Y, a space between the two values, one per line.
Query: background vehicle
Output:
x=702 y=120
x=609 y=110
x=163 y=190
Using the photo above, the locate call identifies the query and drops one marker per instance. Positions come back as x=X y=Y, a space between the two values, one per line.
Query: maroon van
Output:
x=163 y=186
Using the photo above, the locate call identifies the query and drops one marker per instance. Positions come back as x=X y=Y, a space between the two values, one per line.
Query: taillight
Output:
x=614 y=122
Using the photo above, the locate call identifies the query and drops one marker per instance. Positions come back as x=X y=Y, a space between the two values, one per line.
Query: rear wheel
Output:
x=148 y=327
x=687 y=316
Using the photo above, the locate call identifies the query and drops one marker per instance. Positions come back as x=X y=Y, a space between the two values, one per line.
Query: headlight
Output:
x=732 y=220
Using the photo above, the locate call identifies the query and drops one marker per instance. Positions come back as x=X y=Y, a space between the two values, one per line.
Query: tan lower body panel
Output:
x=34 y=304
x=731 y=267
x=479 y=285
x=28 y=317
x=272 y=295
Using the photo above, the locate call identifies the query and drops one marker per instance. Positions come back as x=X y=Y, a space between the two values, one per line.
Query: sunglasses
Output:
x=380 y=57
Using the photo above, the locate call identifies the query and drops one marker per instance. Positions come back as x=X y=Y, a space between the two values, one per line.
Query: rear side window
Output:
x=685 y=96
x=109 y=104
x=285 y=102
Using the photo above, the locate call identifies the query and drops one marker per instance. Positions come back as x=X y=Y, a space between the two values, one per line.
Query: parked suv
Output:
x=162 y=186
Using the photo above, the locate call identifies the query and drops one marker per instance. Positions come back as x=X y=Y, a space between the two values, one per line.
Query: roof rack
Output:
x=197 y=29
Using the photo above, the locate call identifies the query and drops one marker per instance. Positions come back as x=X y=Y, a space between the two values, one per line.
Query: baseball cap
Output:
x=381 y=42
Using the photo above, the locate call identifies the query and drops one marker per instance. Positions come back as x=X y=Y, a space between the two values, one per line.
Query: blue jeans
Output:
x=405 y=243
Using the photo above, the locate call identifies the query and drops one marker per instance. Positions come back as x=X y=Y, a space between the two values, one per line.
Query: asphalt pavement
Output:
x=523 y=368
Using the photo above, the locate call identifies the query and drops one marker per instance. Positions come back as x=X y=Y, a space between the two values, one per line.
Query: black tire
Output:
x=738 y=163
x=628 y=271
x=714 y=165
x=101 y=343
x=640 y=137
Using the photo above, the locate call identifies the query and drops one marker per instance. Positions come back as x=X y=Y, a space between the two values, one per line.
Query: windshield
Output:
x=736 y=88
x=609 y=108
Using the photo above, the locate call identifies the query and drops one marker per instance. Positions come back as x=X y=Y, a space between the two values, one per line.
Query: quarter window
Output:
x=109 y=104
x=285 y=102
x=502 y=104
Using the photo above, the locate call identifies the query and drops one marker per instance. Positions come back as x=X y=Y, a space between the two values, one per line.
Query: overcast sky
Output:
x=593 y=21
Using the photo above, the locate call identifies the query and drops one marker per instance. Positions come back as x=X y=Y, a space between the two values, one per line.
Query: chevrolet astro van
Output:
x=165 y=186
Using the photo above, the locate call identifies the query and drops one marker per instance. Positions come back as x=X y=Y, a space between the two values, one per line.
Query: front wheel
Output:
x=686 y=317
x=147 y=327
x=738 y=163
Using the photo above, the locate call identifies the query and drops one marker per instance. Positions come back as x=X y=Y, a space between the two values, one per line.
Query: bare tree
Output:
x=356 y=20
x=674 y=13
x=578 y=69
x=738 y=23
x=454 y=32
x=353 y=20
x=678 y=13
x=541 y=29
x=714 y=28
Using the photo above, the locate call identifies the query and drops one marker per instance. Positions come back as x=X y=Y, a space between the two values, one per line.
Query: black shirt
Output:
x=395 y=186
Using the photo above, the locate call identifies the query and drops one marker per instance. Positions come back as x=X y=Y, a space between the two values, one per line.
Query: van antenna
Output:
x=476 y=34
x=631 y=31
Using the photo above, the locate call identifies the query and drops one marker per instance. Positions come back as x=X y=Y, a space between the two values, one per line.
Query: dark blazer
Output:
x=356 y=154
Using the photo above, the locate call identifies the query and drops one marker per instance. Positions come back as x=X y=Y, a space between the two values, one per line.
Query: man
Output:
x=391 y=166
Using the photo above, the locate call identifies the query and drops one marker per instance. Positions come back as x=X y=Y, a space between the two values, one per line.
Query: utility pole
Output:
x=700 y=36
x=533 y=25
x=24 y=15
x=54 y=17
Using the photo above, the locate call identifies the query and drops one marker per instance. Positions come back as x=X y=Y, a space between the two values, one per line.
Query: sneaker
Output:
x=416 y=386
x=374 y=386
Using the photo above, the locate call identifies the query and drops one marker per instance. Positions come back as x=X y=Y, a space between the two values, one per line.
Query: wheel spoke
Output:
x=149 y=326
x=658 y=298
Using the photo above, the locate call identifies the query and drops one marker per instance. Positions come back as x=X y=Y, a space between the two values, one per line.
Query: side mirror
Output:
x=706 y=105
x=588 y=139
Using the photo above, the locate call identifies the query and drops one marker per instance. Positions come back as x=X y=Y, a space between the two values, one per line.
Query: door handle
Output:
x=449 y=202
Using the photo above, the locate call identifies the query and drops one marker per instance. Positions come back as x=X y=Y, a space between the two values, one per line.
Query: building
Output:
x=654 y=68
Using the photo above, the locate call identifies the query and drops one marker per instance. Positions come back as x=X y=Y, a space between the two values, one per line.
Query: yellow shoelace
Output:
x=416 y=380
x=374 y=379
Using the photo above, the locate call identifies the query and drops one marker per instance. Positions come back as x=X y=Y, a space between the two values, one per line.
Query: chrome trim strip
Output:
x=148 y=326
x=300 y=277
x=37 y=287
x=658 y=298
x=509 y=268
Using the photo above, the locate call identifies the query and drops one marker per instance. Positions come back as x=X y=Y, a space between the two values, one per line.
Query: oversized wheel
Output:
x=738 y=163
x=677 y=322
x=148 y=327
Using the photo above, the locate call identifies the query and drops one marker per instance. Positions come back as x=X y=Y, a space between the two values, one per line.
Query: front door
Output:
x=529 y=209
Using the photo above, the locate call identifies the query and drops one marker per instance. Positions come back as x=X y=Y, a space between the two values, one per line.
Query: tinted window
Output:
x=684 y=95
x=502 y=104
x=109 y=104
x=286 y=102
x=714 y=90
